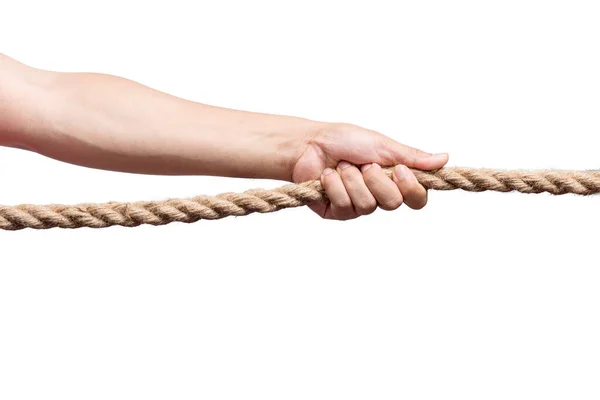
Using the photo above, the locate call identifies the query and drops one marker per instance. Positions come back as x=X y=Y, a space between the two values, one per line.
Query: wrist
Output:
x=276 y=143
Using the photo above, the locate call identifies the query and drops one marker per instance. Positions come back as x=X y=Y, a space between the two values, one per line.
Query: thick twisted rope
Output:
x=291 y=195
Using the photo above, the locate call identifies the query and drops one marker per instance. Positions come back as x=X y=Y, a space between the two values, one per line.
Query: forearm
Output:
x=106 y=122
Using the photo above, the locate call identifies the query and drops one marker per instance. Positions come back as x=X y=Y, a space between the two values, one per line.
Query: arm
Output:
x=107 y=122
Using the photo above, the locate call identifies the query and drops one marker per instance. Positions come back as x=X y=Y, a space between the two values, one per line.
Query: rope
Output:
x=292 y=195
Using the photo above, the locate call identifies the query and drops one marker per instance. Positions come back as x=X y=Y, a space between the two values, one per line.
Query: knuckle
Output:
x=418 y=152
x=344 y=204
x=366 y=206
x=392 y=203
x=414 y=155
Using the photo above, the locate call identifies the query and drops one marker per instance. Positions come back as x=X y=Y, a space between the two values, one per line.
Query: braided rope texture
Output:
x=103 y=215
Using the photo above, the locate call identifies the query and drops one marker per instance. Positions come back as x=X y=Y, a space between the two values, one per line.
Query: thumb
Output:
x=394 y=153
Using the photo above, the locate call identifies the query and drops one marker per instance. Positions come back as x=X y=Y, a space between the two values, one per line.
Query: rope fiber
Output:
x=103 y=215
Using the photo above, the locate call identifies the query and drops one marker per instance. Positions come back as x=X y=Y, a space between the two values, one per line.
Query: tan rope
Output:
x=291 y=195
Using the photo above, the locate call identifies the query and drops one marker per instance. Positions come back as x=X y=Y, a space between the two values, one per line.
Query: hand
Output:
x=76 y=118
x=347 y=159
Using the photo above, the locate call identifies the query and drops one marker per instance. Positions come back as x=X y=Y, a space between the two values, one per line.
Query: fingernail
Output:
x=440 y=156
x=365 y=167
x=400 y=172
x=327 y=171
x=344 y=165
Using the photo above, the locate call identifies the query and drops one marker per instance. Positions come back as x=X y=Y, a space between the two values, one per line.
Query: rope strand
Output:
x=292 y=195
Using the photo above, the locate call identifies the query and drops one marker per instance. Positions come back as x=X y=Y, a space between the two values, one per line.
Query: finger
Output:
x=363 y=200
x=397 y=153
x=414 y=194
x=385 y=191
x=340 y=203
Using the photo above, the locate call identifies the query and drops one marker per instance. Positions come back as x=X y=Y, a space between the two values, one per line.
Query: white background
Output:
x=478 y=296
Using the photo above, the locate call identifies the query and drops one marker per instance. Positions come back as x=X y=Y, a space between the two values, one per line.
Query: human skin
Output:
x=108 y=122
